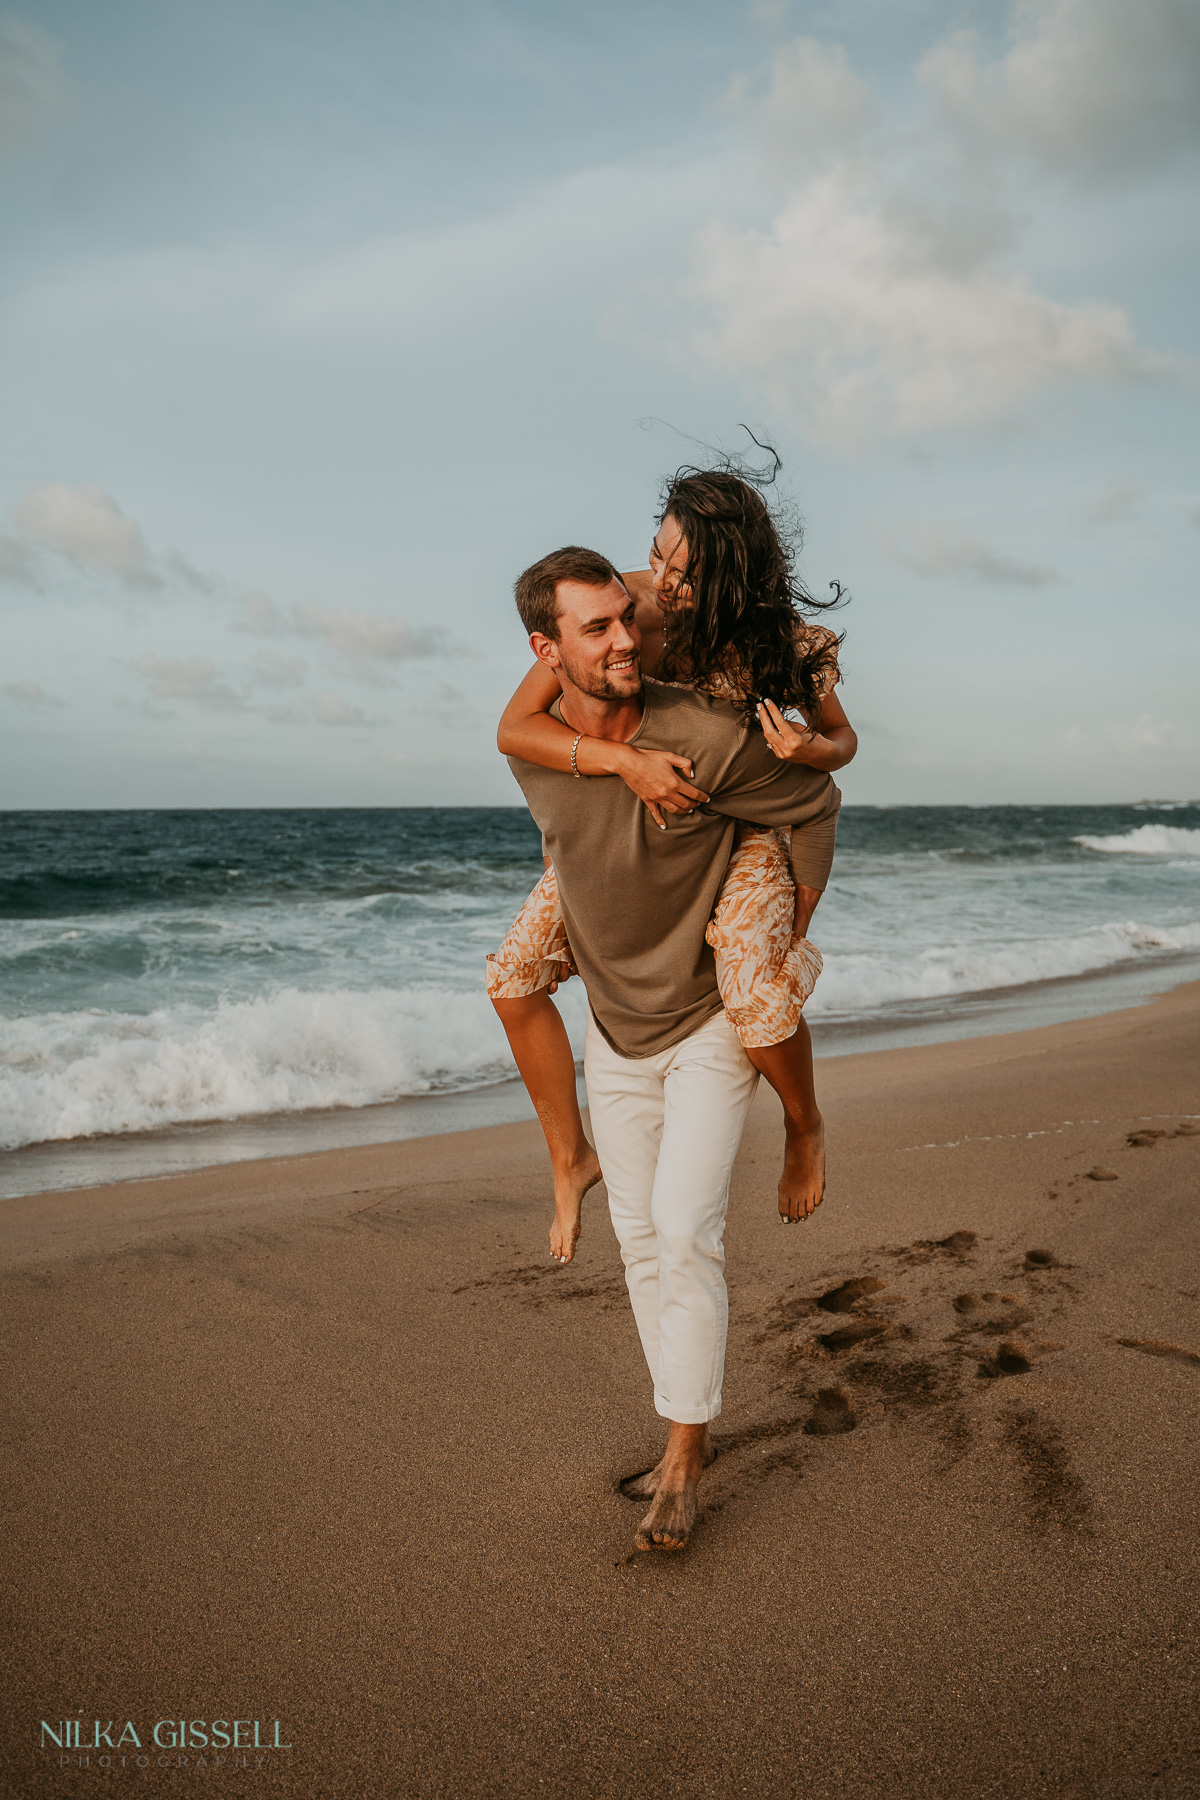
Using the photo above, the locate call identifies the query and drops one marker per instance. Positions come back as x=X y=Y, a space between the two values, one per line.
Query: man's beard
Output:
x=596 y=684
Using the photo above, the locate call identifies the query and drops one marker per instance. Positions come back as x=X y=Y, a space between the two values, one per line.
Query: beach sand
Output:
x=330 y=1440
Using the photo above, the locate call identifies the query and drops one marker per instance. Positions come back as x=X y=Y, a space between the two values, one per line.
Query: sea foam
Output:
x=144 y=985
x=856 y=984
x=85 y=1074
x=97 y=1072
x=1147 y=840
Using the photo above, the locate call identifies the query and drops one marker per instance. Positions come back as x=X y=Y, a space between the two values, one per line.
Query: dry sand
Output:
x=331 y=1441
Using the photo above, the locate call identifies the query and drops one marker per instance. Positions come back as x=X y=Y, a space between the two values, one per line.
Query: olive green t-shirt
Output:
x=636 y=900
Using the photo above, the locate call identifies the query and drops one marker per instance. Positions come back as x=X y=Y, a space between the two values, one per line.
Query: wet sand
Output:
x=329 y=1440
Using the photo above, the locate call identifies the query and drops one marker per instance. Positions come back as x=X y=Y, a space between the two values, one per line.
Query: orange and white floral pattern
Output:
x=764 y=979
x=528 y=959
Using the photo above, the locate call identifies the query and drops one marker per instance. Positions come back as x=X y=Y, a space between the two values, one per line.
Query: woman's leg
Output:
x=521 y=976
x=542 y=1051
x=789 y=1069
x=766 y=969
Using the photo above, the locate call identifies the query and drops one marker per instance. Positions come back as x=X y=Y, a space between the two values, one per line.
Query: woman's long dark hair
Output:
x=739 y=626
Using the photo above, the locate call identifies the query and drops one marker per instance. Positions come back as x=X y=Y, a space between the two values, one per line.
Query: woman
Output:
x=717 y=610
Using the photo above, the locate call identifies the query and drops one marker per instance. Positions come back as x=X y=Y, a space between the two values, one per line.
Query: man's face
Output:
x=598 y=648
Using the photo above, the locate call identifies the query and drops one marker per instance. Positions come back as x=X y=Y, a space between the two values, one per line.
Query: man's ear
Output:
x=545 y=649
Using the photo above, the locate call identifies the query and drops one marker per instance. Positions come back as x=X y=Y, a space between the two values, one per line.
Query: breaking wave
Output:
x=1147 y=840
x=94 y=1073
x=852 y=985
x=70 y=1075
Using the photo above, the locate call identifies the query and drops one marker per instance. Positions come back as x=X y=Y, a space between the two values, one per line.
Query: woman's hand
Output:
x=657 y=777
x=789 y=742
x=832 y=747
x=563 y=972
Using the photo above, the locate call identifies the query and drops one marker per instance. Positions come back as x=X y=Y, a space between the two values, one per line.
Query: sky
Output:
x=318 y=324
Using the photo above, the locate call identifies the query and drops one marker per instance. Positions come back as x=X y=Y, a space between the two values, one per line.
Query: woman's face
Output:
x=668 y=560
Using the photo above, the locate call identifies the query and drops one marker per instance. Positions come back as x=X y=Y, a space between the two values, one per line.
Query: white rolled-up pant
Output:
x=667 y=1129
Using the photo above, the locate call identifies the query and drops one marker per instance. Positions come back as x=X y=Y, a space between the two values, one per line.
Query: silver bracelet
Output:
x=574 y=768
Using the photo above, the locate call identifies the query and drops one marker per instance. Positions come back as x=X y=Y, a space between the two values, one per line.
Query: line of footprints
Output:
x=897 y=1356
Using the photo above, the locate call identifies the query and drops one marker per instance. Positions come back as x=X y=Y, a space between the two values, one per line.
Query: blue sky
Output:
x=317 y=324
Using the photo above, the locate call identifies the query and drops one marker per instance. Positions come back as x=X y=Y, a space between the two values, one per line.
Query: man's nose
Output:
x=623 y=638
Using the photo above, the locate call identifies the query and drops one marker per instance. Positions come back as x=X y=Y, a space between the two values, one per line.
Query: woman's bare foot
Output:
x=571 y=1183
x=539 y=1043
x=789 y=1069
x=802 y=1184
x=668 y=1524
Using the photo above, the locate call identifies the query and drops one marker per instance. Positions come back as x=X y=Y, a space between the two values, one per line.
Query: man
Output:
x=669 y=1085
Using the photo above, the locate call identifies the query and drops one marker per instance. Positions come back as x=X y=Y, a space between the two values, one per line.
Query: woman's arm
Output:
x=830 y=745
x=649 y=615
x=527 y=731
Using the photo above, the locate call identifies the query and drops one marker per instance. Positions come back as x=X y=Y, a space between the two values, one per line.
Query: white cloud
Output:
x=259 y=613
x=331 y=709
x=851 y=314
x=1145 y=734
x=191 y=678
x=363 y=638
x=197 y=680
x=270 y=669
x=885 y=296
x=815 y=107
x=30 y=694
x=769 y=14
x=1093 y=89
x=367 y=637
x=1115 y=744
x=33 y=88
x=16 y=562
x=86 y=526
x=320 y=709
x=1118 y=501
x=937 y=553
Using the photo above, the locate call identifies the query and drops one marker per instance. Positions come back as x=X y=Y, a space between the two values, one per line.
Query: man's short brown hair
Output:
x=537 y=588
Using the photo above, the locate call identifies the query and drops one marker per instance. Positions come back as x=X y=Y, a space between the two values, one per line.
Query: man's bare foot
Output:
x=570 y=1185
x=644 y=1487
x=802 y=1184
x=668 y=1524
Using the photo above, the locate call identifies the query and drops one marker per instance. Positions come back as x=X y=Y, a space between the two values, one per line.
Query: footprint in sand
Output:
x=1055 y=1497
x=994 y=1315
x=958 y=1242
x=1156 y=1347
x=842 y=1299
x=1009 y=1359
x=846 y=1336
x=831 y=1415
x=893 y=1363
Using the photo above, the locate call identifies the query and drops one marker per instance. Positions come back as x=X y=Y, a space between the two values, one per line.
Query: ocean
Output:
x=179 y=988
